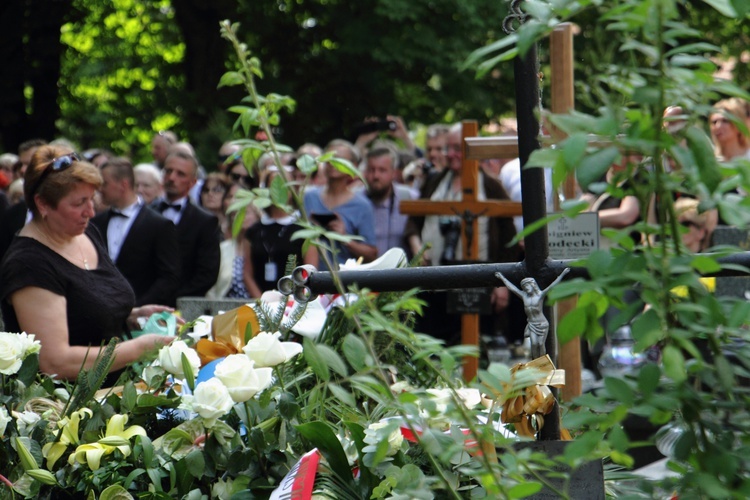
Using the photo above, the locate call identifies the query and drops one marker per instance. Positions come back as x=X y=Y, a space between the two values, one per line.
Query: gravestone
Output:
x=732 y=286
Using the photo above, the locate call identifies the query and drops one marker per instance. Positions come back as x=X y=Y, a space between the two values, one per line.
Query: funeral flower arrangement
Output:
x=361 y=407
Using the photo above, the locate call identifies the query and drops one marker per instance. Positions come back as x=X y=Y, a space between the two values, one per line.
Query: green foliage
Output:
x=654 y=54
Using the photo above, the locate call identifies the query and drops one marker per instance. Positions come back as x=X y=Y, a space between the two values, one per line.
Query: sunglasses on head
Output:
x=57 y=165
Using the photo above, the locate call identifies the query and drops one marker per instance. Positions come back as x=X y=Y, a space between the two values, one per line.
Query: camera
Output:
x=374 y=126
x=450 y=228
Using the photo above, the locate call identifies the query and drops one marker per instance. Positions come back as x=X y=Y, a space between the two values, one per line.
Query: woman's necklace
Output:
x=51 y=244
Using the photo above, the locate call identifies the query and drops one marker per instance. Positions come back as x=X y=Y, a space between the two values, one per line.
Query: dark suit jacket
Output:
x=149 y=258
x=199 y=237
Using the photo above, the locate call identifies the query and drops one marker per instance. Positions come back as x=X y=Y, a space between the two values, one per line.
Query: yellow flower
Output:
x=69 y=435
x=116 y=437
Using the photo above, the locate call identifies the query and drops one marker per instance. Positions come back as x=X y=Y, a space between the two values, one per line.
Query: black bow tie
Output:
x=164 y=204
x=117 y=213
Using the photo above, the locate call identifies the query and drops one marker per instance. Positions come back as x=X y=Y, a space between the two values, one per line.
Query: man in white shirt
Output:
x=141 y=243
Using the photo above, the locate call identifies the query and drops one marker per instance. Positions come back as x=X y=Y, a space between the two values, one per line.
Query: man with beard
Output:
x=385 y=196
x=197 y=230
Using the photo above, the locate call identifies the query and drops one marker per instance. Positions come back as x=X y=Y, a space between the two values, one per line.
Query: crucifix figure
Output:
x=537 y=325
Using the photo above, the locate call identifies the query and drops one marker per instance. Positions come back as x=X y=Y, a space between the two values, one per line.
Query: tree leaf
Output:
x=619 y=390
x=315 y=360
x=332 y=359
x=322 y=437
x=593 y=167
x=355 y=352
x=524 y=490
x=674 y=363
x=343 y=395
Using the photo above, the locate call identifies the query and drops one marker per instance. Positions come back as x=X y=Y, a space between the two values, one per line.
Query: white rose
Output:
x=211 y=400
x=238 y=374
x=267 y=350
x=170 y=358
x=25 y=420
x=28 y=344
x=373 y=437
x=4 y=420
x=12 y=350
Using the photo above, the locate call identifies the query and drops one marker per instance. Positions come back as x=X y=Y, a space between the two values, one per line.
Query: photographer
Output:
x=393 y=127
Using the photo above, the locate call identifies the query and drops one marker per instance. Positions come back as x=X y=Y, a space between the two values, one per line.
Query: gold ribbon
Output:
x=228 y=334
x=526 y=411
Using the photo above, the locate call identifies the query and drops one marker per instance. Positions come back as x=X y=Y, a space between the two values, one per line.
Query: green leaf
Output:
x=523 y=490
x=306 y=164
x=593 y=167
x=188 y=370
x=647 y=330
x=29 y=370
x=572 y=325
x=574 y=148
x=355 y=352
x=279 y=191
x=648 y=379
x=725 y=373
x=726 y=7
x=705 y=158
x=342 y=395
x=315 y=360
x=115 y=492
x=674 y=363
x=741 y=7
x=288 y=406
x=230 y=79
x=346 y=167
x=322 y=437
x=196 y=463
x=619 y=390
x=129 y=396
x=332 y=359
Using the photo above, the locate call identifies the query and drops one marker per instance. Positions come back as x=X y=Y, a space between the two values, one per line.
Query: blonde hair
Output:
x=55 y=186
x=736 y=108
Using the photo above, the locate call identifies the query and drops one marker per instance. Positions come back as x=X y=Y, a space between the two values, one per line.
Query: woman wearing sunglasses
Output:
x=58 y=282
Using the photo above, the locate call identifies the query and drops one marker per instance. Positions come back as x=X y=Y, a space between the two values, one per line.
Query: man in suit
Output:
x=198 y=231
x=142 y=244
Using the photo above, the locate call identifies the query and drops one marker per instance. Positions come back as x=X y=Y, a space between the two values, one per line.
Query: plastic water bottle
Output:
x=618 y=357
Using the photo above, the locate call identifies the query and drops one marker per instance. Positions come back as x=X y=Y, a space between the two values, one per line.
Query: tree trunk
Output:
x=43 y=53
x=205 y=55
x=13 y=120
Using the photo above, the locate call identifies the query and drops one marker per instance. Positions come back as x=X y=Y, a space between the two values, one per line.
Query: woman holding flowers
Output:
x=57 y=281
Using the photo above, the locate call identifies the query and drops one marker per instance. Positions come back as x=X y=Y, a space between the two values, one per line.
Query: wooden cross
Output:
x=479 y=148
x=471 y=205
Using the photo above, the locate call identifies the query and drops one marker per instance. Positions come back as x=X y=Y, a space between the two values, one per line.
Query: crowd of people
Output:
x=91 y=242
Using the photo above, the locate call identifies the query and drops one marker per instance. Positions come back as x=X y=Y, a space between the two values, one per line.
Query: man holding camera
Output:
x=443 y=233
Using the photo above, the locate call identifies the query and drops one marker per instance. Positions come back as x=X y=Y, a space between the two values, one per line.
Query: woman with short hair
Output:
x=58 y=282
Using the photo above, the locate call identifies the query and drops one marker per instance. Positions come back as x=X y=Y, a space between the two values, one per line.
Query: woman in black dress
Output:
x=269 y=244
x=58 y=281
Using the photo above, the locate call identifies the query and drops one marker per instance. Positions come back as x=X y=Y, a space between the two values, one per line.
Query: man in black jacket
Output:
x=142 y=244
x=198 y=231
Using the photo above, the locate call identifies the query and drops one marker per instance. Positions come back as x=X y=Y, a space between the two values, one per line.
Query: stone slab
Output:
x=731 y=286
x=587 y=482
x=192 y=307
